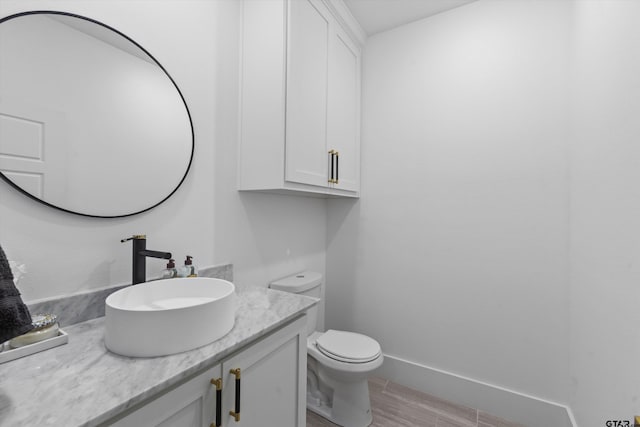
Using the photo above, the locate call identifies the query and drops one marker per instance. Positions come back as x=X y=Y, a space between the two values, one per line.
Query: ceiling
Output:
x=380 y=15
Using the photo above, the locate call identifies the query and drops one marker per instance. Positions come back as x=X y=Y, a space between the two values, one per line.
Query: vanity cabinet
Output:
x=300 y=98
x=273 y=381
x=270 y=374
x=192 y=404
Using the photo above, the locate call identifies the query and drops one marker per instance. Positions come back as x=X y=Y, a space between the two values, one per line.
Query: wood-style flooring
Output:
x=394 y=405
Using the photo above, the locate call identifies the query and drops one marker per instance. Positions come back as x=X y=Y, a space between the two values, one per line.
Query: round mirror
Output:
x=90 y=122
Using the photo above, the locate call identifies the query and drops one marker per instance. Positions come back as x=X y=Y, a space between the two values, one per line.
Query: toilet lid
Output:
x=348 y=346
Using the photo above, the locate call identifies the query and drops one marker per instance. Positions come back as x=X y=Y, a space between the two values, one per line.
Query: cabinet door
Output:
x=306 y=97
x=272 y=380
x=343 y=114
x=191 y=404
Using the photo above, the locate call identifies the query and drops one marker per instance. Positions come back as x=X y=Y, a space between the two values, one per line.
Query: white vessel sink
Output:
x=168 y=316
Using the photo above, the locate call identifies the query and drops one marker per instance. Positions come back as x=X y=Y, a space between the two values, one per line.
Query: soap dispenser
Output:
x=190 y=269
x=170 y=272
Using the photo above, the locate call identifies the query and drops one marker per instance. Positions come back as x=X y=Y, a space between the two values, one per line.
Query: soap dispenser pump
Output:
x=170 y=272
x=190 y=269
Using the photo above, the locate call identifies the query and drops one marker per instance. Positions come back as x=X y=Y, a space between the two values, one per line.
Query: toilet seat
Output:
x=348 y=347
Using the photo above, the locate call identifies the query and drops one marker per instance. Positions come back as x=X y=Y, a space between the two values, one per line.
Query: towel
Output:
x=14 y=315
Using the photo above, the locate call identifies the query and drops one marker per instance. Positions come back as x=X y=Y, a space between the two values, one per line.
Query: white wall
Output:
x=456 y=255
x=497 y=233
x=266 y=237
x=605 y=213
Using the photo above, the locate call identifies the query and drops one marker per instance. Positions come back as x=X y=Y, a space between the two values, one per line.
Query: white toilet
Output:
x=338 y=362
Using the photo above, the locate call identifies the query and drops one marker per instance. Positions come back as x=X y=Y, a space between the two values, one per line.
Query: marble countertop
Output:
x=83 y=384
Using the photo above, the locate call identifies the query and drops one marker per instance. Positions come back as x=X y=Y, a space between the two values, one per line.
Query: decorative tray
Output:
x=7 y=353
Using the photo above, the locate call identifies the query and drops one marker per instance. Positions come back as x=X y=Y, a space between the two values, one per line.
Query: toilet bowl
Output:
x=342 y=369
x=338 y=362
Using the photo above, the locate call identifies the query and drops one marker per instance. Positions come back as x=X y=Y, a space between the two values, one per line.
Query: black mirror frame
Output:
x=73 y=15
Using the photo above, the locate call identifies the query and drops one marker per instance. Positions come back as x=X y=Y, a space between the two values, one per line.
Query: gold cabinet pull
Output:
x=218 y=383
x=236 y=414
x=331 y=165
x=334 y=166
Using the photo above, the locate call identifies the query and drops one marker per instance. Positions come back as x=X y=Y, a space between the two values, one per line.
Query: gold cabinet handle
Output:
x=331 y=165
x=236 y=414
x=334 y=166
x=218 y=383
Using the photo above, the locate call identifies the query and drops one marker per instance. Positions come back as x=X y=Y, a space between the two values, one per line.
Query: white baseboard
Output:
x=501 y=402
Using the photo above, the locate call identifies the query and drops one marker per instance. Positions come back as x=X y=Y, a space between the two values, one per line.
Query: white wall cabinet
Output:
x=271 y=376
x=300 y=98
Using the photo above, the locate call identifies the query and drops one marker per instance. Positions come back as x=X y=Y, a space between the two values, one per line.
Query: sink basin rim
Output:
x=184 y=287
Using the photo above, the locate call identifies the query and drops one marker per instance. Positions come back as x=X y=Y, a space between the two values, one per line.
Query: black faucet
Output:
x=140 y=254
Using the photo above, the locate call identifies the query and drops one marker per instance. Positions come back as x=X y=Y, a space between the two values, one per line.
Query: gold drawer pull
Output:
x=218 y=383
x=236 y=414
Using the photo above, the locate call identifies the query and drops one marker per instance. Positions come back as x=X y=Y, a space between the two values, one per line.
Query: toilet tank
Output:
x=308 y=283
